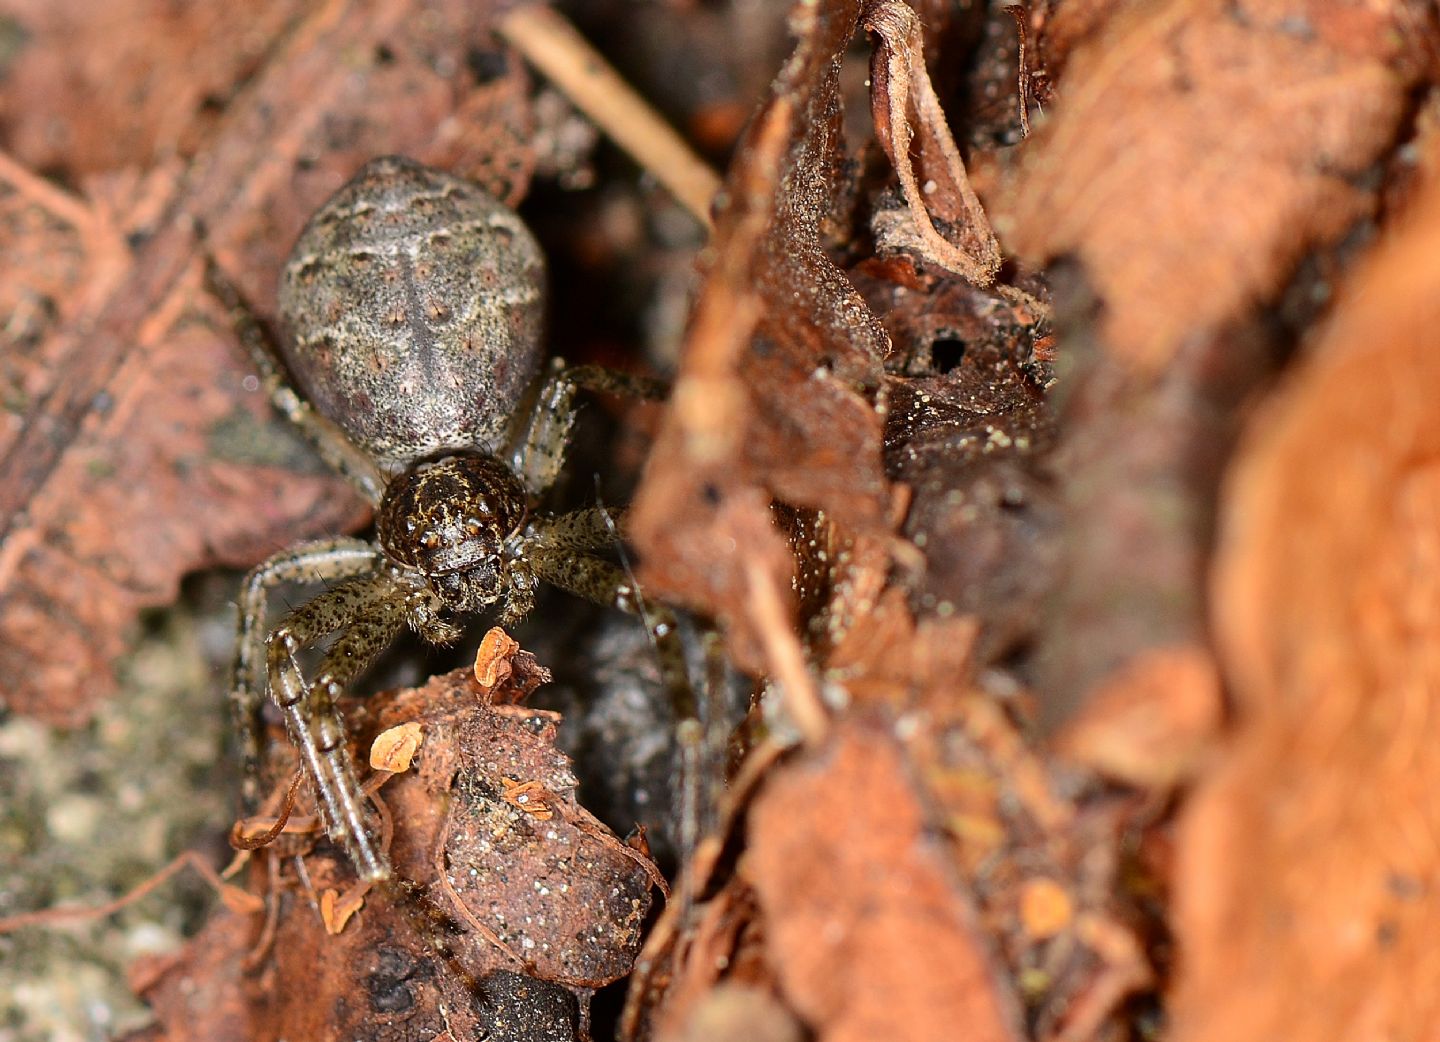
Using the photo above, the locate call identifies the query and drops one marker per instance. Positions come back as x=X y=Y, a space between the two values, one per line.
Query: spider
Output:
x=412 y=306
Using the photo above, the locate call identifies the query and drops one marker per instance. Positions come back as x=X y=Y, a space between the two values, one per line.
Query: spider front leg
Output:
x=367 y=613
x=560 y=553
x=520 y=599
x=557 y=553
x=323 y=561
x=540 y=448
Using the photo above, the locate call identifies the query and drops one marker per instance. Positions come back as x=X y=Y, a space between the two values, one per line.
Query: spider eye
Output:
x=430 y=540
x=472 y=526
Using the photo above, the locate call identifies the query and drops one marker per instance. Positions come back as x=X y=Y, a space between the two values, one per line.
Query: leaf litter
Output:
x=498 y=887
x=1012 y=760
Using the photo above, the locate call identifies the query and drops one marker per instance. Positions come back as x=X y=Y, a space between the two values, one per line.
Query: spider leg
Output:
x=367 y=613
x=582 y=531
x=604 y=583
x=337 y=450
x=540 y=447
x=613 y=381
x=579 y=532
x=324 y=561
x=559 y=554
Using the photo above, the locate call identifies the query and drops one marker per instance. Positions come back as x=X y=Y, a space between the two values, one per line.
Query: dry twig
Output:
x=552 y=45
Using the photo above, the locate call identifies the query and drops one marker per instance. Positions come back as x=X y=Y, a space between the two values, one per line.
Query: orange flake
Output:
x=492 y=661
x=1045 y=908
x=395 y=748
x=530 y=797
x=336 y=908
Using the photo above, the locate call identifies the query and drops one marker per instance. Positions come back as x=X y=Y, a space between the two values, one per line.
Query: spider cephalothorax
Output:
x=454 y=519
x=412 y=303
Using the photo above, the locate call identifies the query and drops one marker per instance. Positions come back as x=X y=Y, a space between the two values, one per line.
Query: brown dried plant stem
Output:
x=553 y=46
x=787 y=658
x=50 y=917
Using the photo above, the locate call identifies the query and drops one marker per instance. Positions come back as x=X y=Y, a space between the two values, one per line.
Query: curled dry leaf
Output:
x=336 y=908
x=492 y=658
x=1198 y=150
x=726 y=950
x=775 y=395
x=503 y=671
x=1305 y=865
x=912 y=129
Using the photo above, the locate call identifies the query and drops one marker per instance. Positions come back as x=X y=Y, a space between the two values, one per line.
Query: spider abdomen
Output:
x=414 y=301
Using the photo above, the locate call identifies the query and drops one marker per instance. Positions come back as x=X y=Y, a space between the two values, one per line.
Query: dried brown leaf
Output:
x=1040 y=869
x=91 y=89
x=1306 y=867
x=725 y=949
x=492 y=823
x=542 y=906
x=367 y=981
x=866 y=931
x=775 y=392
x=575 y=897
x=911 y=127
x=1198 y=149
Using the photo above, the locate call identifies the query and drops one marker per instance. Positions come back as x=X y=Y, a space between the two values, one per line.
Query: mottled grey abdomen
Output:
x=413 y=304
